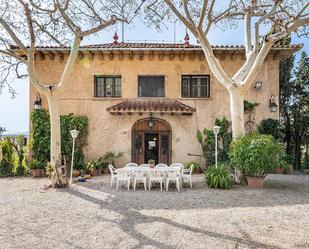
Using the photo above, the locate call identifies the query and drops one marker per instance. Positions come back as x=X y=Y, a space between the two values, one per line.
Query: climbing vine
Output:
x=40 y=137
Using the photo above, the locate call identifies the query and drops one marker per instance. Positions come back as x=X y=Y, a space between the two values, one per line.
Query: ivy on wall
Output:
x=40 y=137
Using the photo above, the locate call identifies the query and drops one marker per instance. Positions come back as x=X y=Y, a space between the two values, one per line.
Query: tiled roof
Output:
x=157 y=46
x=151 y=105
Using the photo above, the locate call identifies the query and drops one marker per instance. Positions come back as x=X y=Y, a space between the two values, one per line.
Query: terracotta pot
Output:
x=105 y=170
x=196 y=171
x=255 y=182
x=94 y=172
x=36 y=172
x=75 y=173
x=279 y=170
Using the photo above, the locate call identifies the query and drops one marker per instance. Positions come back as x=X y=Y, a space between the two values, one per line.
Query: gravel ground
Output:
x=92 y=215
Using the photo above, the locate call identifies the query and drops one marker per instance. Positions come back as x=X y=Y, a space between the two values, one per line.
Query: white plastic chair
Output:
x=123 y=176
x=155 y=177
x=187 y=176
x=131 y=165
x=113 y=172
x=161 y=166
x=173 y=176
x=144 y=165
x=140 y=176
x=181 y=167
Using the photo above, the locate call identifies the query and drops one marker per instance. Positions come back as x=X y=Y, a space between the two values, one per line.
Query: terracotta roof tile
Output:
x=145 y=45
x=151 y=105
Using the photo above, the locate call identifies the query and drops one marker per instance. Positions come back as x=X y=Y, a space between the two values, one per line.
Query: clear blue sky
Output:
x=14 y=113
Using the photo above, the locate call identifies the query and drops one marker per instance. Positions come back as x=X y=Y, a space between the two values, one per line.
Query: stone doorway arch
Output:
x=151 y=139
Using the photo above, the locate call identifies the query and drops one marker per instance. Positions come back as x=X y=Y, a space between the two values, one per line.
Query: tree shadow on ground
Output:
x=132 y=218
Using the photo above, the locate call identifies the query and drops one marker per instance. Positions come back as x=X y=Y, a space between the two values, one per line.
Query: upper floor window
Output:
x=151 y=86
x=107 y=86
x=195 y=86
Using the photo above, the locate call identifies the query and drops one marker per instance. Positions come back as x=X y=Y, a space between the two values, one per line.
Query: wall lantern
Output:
x=272 y=104
x=258 y=85
x=38 y=102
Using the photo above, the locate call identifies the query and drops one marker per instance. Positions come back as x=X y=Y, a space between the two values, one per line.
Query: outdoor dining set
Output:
x=132 y=174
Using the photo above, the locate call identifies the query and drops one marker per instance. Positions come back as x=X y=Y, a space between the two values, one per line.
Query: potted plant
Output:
x=218 y=177
x=92 y=168
x=151 y=163
x=256 y=156
x=196 y=169
x=109 y=158
x=35 y=167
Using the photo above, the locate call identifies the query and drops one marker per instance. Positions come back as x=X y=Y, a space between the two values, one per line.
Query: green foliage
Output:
x=248 y=106
x=207 y=142
x=218 y=177
x=40 y=144
x=270 y=127
x=110 y=156
x=193 y=165
x=256 y=155
x=96 y=165
x=36 y=164
x=7 y=158
x=48 y=169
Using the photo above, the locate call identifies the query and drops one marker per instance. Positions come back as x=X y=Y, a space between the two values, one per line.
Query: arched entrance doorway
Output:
x=151 y=139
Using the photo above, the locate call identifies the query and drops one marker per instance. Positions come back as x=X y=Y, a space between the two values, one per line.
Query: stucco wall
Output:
x=107 y=132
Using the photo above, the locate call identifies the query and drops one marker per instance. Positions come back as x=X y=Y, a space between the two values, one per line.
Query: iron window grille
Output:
x=195 y=86
x=107 y=86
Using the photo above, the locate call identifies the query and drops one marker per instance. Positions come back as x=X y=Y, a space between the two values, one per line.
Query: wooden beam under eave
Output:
x=182 y=56
x=101 y=55
x=121 y=55
x=192 y=56
x=171 y=56
x=80 y=55
x=91 y=55
x=161 y=56
x=61 y=56
x=140 y=114
x=51 y=55
x=201 y=56
x=131 y=55
x=42 y=55
x=151 y=55
x=141 y=56
x=111 y=55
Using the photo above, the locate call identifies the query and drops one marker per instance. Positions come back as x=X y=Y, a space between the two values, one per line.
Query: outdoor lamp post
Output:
x=74 y=134
x=216 y=130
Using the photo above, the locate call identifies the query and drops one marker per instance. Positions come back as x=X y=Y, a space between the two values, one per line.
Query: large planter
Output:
x=94 y=172
x=75 y=173
x=255 y=182
x=279 y=170
x=36 y=172
x=105 y=170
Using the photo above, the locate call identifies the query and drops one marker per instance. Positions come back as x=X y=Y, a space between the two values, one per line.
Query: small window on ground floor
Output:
x=107 y=86
x=195 y=86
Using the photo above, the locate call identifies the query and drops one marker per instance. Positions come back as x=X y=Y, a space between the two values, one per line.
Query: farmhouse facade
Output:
x=148 y=100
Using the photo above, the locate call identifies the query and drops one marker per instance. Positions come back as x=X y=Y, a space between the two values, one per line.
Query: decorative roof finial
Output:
x=115 y=37
x=187 y=38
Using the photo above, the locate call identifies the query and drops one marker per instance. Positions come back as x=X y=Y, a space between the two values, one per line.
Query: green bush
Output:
x=218 y=177
x=40 y=137
x=206 y=138
x=7 y=158
x=193 y=165
x=270 y=127
x=256 y=155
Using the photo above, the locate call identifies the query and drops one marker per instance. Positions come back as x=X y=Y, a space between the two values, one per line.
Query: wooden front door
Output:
x=151 y=139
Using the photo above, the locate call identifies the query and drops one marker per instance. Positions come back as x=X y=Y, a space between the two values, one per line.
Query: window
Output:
x=151 y=86
x=107 y=86
x=195 y=86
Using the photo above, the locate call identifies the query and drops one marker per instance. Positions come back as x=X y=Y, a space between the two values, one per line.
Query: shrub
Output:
x=40 y=142
x=206 y=138
x=7 y=158
x=270 y=127
x=193 y=165
x=255 y=155
x=218 y=177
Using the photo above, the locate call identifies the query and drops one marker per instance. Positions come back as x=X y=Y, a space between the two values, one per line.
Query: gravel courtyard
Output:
x=92 y=215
